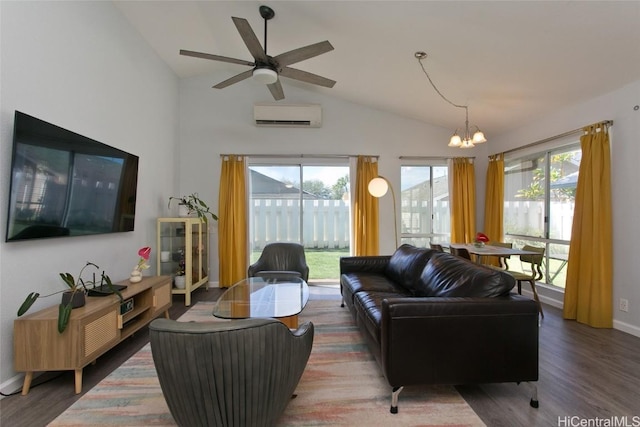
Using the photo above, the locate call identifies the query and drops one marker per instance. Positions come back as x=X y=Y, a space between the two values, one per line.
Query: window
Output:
x=315 y=214
x=424 y=201
x=539 y=202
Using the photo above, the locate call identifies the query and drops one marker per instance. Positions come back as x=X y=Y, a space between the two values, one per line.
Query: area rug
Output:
x=341 y=386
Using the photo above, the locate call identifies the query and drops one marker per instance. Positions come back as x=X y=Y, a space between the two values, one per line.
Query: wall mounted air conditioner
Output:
x=288 y=115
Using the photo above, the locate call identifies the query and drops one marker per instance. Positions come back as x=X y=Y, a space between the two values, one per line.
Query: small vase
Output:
x=183 y=211
x=77 y=298
x=478 y=244
x=135 y=277
x=180 y=282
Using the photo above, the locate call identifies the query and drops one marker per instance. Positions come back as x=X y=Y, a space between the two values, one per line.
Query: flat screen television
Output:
x=65 y=184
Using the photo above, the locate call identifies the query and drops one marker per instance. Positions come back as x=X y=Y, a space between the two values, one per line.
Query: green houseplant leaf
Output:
x=28 y=302
x=64 y=312
x=194 y=203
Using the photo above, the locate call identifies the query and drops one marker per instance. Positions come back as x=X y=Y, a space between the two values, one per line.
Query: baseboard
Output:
x=625 y=327
x=555 y=302
x=14 y=384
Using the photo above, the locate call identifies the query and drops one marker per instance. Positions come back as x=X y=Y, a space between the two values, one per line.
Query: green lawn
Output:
x=323 y=263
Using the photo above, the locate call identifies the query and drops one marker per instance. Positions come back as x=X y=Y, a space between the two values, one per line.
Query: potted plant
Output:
x=180 y=279
x=194 y=205
x=480 y=240
x=73 y=297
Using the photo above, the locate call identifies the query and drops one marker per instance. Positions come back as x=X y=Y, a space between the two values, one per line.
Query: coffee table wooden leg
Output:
x=78 y=380
x=290 y=321
x=28 y=376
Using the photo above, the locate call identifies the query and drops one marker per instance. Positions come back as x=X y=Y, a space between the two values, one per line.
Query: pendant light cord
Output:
x=420 y=56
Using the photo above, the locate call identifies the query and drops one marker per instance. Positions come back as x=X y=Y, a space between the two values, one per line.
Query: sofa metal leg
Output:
x=534 y=396
x=394 y=399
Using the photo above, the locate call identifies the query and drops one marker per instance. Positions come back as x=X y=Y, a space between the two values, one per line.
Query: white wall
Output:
x=625 y=155
x=81 y=66
x=214 y=122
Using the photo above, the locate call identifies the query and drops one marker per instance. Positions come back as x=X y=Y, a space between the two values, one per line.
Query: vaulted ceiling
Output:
x=510 y=61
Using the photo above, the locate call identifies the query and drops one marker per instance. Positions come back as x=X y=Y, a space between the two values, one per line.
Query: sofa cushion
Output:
x=357 y=282
x=406 y=265
x=368 y=305
x=446 y=275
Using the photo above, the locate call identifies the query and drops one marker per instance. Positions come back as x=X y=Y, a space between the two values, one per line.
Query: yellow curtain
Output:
x=232 y=225
x=494 y=201
x=365 y=209
x=463 y=201
x=588 y=292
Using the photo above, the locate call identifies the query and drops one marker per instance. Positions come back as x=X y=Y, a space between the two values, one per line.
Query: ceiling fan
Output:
x=267 y=69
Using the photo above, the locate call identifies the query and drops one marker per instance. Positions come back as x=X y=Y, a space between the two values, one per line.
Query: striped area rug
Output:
x=341 y=386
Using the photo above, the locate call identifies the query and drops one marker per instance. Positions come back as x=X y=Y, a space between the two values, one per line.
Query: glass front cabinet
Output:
x=183 y=250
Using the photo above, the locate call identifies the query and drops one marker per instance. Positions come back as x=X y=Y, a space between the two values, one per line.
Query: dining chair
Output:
x=436 y=247
x=502 y=260
x=461 y=252
x=535 y=262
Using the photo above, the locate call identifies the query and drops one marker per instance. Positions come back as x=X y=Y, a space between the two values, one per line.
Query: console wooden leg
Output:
x=78 y=380
x=28 y=376
x=166 y=314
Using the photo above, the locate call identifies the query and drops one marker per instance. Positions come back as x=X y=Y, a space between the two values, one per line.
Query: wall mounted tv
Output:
x=65 y=184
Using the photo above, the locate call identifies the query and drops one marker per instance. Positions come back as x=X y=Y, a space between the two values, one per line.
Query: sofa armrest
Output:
x=459 y=340
x=364 y=264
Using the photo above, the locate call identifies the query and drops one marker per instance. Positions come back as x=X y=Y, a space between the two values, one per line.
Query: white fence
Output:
x=325 y=222
x=527 y=218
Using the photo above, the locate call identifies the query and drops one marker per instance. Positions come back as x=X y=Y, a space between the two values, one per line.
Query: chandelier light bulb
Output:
x=467 y=143
x=478 y=137
x=455 y=140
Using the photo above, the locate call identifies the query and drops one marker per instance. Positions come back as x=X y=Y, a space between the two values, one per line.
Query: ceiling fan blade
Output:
x=306 y=77
x=276 y=90
x=215 y=57
x=250 y=39
x=235 y=79
x=303 y=53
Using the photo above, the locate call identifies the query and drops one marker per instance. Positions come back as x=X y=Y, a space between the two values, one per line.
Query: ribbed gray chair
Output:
x=237 y=373
x=281 y=259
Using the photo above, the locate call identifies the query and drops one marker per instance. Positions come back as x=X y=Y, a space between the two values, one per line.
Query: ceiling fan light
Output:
x=265 y=76
x=478 y=137
x=455 y=140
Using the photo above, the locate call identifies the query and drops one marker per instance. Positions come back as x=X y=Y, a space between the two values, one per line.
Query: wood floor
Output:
x=584 y=372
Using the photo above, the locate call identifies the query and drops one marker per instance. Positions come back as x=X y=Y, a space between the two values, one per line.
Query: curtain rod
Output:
x=302 y=156
x=542 y=141
x=430 y=158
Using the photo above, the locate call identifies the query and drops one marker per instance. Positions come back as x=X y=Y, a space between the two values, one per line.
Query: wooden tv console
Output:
x=92 y=330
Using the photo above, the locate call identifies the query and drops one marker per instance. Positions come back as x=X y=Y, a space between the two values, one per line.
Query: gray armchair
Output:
x=236 y=373
x=281 y=259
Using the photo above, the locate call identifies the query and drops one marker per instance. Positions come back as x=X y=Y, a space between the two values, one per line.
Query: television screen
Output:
x=65 y=184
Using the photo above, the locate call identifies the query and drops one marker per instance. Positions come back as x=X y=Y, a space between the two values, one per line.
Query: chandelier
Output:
x=464 y=139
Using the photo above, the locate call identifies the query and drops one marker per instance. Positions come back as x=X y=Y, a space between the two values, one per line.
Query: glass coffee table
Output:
x=282 y=299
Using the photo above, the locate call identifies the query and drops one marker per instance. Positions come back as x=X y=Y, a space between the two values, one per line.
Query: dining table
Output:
x=489 y=250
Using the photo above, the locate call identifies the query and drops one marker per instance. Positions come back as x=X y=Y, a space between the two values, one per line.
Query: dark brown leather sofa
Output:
x=432 y=318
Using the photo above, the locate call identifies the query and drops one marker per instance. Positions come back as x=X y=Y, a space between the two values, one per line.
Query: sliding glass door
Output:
x=539 y=201
x=304 y=203
x=424 y=201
